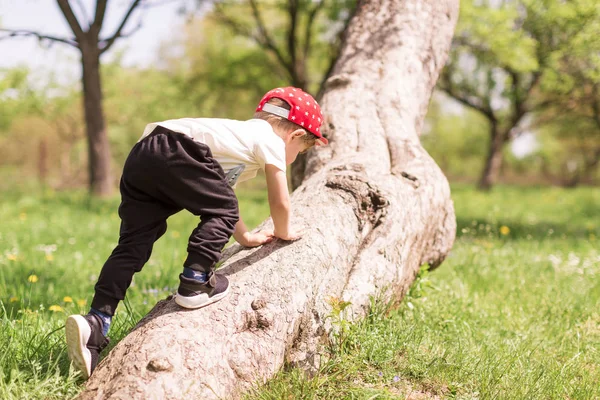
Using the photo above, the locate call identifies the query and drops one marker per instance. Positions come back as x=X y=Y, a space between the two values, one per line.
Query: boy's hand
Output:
x=256 y=239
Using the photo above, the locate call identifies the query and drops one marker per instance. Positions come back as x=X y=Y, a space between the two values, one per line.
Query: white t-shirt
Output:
x=251 y=143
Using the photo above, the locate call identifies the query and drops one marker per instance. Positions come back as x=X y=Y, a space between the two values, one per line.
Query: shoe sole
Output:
x=199 y=301
x=78 y=332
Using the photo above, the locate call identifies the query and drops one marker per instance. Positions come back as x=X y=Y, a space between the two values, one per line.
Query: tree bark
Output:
x=375 y=207
x=100 y=178
x=494 y=158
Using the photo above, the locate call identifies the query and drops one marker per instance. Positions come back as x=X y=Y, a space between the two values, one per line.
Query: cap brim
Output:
x=323 y=141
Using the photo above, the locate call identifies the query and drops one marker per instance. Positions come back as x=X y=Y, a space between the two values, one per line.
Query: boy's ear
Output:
x=298 y=133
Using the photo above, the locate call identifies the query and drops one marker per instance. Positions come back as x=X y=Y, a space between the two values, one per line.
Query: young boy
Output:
x=192 y=164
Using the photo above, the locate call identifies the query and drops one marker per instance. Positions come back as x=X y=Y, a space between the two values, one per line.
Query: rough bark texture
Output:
x=375 y=207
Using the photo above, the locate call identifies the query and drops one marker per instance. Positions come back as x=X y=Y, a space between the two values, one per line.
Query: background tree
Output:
x=91 y=45
x=502 y=54
x=571 y=112
x=291 y=32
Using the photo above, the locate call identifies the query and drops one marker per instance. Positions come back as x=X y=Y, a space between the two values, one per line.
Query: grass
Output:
x=512 y=314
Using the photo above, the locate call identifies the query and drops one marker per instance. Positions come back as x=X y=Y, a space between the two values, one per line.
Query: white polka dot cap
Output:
x=304 y=111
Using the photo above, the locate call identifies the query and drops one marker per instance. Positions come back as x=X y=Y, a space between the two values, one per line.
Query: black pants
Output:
x=165 y=173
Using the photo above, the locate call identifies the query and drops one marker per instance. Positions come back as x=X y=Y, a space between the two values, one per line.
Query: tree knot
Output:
x=261 y=318
x=336 y=81
x=159 y=364
x=371 y=203
x=257 y=304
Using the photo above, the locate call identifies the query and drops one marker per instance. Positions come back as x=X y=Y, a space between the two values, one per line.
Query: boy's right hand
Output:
x=291 y=235
x=256 y=239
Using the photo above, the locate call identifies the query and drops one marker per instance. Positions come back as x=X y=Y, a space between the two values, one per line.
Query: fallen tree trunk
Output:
x=374 y=205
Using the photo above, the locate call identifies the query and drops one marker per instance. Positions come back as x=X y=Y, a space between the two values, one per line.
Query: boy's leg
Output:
x=129 y=256
x=195 y=181
x=143 y=220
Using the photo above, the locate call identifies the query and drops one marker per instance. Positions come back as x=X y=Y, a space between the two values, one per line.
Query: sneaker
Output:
x=193 y=294
x=85 y=341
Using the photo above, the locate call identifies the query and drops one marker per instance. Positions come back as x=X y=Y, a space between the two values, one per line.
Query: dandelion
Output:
x=68 y=299
x=55 y=308
x=175 y=234
x=49 y=257
x=23 y=216
x=11 y=257
x=504 y=230
x=32 y=278
x=14 y=299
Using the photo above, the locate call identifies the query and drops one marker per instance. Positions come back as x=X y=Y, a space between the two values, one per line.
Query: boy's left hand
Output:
x=257 y=239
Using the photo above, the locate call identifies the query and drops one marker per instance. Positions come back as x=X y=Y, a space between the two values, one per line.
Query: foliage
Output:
x=508 y=55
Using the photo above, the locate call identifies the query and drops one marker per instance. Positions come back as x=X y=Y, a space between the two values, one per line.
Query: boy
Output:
x=193 y=164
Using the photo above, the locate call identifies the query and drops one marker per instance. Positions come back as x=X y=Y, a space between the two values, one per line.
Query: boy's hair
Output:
x=282 y=123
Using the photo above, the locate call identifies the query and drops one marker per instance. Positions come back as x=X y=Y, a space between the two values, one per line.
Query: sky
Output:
x=44 y=16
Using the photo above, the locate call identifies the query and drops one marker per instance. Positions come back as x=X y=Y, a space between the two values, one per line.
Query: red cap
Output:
x=304 y=111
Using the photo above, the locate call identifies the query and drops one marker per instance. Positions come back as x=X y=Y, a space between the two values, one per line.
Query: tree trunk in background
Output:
x=297 y=171
x=375 y=207
x=101 y=183
x=43 y=161
x=493 y=162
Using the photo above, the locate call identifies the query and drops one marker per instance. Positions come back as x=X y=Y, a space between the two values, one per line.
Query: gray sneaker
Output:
x=85 y=341
x=193 y=294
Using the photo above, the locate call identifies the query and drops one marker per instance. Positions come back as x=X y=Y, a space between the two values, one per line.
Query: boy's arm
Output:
x=247 y=239
x=279 y=203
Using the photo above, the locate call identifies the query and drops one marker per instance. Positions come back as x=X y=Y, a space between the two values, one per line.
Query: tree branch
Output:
x=22 y=32
x=308 y=32
x=451 y=90
x=98 y=17
x=84 y=12
x=109 y=42
x=71 y=19
x=103 y=42
x=267 y=40
x=291 y=39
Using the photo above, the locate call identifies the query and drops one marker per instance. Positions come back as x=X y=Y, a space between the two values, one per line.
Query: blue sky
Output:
x=158 y=24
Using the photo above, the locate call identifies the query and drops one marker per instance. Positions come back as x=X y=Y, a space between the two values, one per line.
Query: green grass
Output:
x=507 y=316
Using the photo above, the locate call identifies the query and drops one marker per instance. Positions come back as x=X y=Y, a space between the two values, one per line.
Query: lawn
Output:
x=514 y=312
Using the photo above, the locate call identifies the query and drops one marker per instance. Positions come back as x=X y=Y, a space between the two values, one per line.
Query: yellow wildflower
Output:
x=49 y=257
x=23 y=216
x=504 y=230
x=81 y=302
x=12 y=257
x=55 y=308
x=32 y=278
x=68 y=299
x=175 y=234
x=14 y=299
